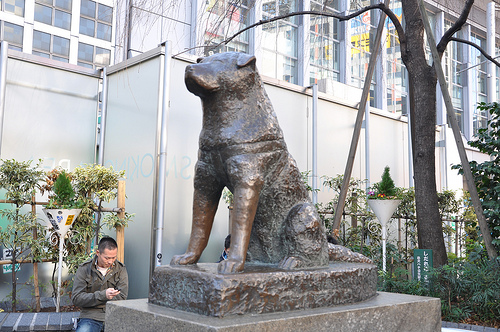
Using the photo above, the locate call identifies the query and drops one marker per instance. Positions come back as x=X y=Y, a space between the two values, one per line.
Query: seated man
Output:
x=97 y=281
x=225 y=252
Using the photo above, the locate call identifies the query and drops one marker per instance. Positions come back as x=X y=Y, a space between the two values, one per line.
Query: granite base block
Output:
x=386 y=312
x=260 y=288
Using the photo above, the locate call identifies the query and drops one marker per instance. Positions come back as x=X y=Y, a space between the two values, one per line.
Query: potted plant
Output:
x=384 y=198
x=61 y=211
x=63 y=207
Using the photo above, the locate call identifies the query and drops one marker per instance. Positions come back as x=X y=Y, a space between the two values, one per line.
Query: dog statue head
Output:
x=230 y=72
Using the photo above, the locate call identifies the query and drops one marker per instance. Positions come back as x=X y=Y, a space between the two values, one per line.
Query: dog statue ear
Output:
x=246 y=60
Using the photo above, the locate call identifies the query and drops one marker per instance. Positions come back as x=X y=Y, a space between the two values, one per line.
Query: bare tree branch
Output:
x=341 y=18
x=483 y=52
x=441 y=46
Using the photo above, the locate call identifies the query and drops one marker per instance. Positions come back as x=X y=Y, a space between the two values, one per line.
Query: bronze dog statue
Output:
x=241 y=147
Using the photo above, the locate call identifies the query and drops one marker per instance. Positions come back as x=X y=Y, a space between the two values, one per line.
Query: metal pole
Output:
x=104 y=108
x=359 y=122
x=410 y=154
x=315 y=144
x=384 y=247
x=4 y=46
x=458 y=136
x=490 y=45
x=59 y=272
x=367 y=147
x=162 y=170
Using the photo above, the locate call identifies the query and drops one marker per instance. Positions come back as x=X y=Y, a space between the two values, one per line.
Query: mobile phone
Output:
x=118 y=289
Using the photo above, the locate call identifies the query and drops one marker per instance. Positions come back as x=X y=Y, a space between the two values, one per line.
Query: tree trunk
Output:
x=423 y=124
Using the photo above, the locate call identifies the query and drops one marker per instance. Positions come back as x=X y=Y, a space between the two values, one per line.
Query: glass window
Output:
x=85 y=52
x=43 y=14
x=104 y=13
x=14 y=6
x=63 y=4
x=222 y=19
x=362 y=34
x=104 y=31
x=91 y=57
x=54 y=57
x=61 y=46
x=41 y=41
x=62 y=20
x=43 y=55
x=13 y=34
x=102 y=56
x=87 y=27
x=279 y=41
x=453 y=64
x=54 y=12
x=478 y=84
x=49 y=46
x=96 y=20
x=325 y=47
x=87 y=8
x=396 y=74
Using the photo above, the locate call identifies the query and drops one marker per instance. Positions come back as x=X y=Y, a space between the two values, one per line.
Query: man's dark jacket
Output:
x=89 y=288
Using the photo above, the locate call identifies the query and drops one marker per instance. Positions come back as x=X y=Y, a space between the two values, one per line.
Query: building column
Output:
x=345 y=45
x=255 y=36
x=440 y=106
x=380 y=76
x=304 y=45
x=197 y=36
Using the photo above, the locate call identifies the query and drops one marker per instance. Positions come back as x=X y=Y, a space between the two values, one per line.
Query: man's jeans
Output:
x=89 y=325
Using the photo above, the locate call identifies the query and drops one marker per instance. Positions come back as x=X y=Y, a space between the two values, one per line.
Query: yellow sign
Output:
x=360 y=42
x=69 y=221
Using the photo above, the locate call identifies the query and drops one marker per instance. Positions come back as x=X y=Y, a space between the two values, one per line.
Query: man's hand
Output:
x=111 y=292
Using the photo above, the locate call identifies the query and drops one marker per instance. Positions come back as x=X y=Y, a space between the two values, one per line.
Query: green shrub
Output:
x=468 y=288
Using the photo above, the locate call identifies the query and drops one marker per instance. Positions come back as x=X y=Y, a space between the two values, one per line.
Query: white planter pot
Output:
x=61 y=219
x=384 y=208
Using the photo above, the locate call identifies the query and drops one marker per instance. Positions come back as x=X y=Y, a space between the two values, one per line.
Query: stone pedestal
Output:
x=385 y=312
x=260 y=288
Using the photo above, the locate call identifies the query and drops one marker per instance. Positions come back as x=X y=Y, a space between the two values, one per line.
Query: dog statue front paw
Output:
x=230 y=266
x=185 y=259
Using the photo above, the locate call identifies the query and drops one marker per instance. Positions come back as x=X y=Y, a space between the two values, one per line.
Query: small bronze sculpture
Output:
x=241 y=147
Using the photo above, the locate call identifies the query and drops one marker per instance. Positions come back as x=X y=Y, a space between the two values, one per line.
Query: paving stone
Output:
x=10 y=321
x=25 y=321
x=2 y=317
x=67 y=321
x=54 y=323
x=490 y=329
x=41 y=320
x=451 y=325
